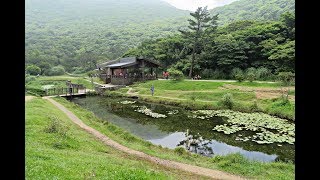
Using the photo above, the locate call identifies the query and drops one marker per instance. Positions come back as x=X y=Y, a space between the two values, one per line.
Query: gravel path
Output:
x=215 y=174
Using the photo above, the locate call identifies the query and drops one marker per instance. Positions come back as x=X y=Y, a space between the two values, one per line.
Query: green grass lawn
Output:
x=204 y=94
x=38 y=86
x=58 y=149
x=234 y=163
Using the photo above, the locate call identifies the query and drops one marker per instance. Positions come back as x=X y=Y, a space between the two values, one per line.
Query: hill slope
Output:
x=253 y=10
x=65 y=32
x=60 y=30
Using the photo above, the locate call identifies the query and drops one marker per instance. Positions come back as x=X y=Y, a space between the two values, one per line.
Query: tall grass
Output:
x=58 y=149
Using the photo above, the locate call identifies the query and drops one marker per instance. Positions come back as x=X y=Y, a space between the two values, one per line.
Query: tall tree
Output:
x=194 y=36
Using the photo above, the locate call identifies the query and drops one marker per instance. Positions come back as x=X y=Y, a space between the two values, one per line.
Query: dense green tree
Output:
x=195 y=35
x=33 y=70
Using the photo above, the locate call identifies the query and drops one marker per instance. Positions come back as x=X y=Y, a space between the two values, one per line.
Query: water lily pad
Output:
x=269 y=129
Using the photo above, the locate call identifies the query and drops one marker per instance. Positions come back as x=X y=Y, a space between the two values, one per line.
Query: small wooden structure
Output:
x=70 y=90
x=127 y=70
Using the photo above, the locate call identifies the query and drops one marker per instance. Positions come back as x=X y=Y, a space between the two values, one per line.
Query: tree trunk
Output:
x=192 y=61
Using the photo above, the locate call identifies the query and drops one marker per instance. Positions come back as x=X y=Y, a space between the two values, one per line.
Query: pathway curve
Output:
x=215 y=174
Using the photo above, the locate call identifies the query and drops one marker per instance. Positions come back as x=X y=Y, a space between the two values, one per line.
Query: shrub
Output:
x=287 y=78
x=251 y=76
x=78 y=70
x=180 y=150
x=56 y=127
x=227 y=100
x=175 y=74
x=207 y=73
x=263 y=73
x=239 y=77
x=36 y=91
x=254 y=107
x=56 y=71
x=29 y=78
x=218 y=74
x=237 y=74
x=235 y=71
x=33 y=70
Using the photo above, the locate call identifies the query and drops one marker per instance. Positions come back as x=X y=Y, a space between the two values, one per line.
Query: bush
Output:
x=56 y=127
x=287 y=78
x=207 y=73
x=36 y=91
x=227 y=100
x=239 y=77
x=78 y=70
x=180 y=151
x=254 y=107
x=33 y=70
x=29 y=78
x=237 y=74
x=251 y=76
x=263 y=73
x=218 y=74
x=91 y=73
x=56 y=71
x=175 y=74
x=235 y=71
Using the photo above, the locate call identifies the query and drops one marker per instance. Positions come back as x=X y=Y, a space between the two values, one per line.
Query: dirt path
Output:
x=215 y=174
x=27 y=98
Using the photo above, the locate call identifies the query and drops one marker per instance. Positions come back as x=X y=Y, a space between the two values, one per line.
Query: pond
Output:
x=171 y=126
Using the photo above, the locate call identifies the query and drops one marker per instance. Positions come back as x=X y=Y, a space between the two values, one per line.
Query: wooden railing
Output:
x=65 y=91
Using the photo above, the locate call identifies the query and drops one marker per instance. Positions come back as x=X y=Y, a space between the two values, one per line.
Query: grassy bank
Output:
x=37 y=85
x=207 y=95
x=234 y=163
x=58 y=149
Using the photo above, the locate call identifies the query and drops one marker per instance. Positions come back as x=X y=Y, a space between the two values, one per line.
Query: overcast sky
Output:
x=192 y=5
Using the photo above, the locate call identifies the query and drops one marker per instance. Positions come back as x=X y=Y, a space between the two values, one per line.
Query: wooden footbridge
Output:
x=72 y=90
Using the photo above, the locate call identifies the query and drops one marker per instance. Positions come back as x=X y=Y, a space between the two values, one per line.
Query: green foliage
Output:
x=78 y=70
x=55 y=126
x=48 y=154
x=175 y=74
x=263 y=73
x=180 y=151
x=36 y=91
x=254 y=107
x=207 y=73
x=200 y=26
x=29 y=78
x=253 y=9
x=255 y=170
x=239 y=77
x=251 y=76
x=33 y=70
x=227 y=100
x=56 y=71
x=79 y=34
x=287 y=78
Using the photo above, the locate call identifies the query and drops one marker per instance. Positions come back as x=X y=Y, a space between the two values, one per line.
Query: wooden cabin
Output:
x=127 y=70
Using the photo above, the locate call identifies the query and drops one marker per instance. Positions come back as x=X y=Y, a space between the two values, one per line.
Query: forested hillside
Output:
x=253 y=10
x=76 y=34
x=68 y=31
x=243 y=48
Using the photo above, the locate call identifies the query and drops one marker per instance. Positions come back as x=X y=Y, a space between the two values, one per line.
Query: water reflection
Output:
x=196 y=135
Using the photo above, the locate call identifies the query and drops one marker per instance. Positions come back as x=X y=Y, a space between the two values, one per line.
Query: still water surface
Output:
x=175 y=129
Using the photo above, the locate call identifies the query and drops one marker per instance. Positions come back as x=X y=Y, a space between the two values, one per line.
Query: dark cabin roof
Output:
x=125 y=62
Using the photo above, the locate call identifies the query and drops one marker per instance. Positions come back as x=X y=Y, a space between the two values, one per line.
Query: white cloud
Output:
x=192 y=5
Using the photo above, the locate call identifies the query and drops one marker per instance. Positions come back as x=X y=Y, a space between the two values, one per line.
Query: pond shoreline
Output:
x=193 y=124
x=188 y=104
